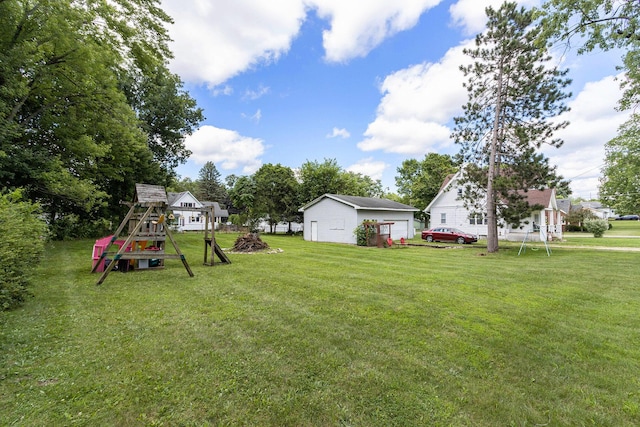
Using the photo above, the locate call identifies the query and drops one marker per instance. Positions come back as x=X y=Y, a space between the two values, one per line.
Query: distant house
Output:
x=193 y=220
x=447 y=208
x=334 y=217
x=220 y=215
x=281 y=227
x=597 y=209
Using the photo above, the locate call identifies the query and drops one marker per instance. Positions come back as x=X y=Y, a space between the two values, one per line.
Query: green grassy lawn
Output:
x=326 y=334
x=624 y=234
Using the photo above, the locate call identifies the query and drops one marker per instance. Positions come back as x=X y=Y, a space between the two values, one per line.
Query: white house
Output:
x=597 y=209
x=192 y=220
x=447 y=208
x=333 y=217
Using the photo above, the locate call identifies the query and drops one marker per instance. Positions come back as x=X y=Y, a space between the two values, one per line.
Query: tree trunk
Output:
x=492 y=218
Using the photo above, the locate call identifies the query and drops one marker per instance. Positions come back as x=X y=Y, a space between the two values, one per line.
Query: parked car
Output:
x=628 y=217
x=448 y=234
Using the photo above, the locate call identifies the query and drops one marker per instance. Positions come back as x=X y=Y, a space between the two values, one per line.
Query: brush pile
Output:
x=250 y=242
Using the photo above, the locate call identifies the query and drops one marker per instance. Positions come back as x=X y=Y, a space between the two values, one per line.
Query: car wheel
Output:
x=460 y=240
x=429 y=239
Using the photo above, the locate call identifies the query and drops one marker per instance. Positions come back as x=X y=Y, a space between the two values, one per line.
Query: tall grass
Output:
x=326 y=334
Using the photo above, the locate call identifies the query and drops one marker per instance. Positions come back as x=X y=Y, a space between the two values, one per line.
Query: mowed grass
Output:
x=329 y=335
x=624 y=234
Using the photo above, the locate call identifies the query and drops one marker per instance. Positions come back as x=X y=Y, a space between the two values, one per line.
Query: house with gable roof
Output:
x=334 y=217
x=448 y=209
x=193 y=220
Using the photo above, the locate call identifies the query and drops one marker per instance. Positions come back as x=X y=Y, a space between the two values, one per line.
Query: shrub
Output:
x=22 y=238
x=596 y=226
x=72 y=226
x=365 y=232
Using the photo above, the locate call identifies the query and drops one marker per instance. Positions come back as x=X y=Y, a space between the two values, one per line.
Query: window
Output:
x=478 y=219
x=443 y=218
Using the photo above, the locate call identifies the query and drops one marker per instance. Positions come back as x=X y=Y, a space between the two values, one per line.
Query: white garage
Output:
x=334 y=217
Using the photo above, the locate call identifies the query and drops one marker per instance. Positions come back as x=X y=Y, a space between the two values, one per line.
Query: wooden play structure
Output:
x=144 y=248
x=381 y=235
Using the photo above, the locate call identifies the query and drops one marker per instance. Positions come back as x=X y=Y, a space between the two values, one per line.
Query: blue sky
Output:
x=369 y=84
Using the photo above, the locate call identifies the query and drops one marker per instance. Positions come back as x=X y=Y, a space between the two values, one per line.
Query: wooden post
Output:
x=122 y=250
x=175 y=245
x=103 y=255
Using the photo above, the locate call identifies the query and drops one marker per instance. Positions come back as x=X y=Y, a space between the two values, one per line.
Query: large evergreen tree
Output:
x=209 y=185
x=512 y=95
x=620 y=183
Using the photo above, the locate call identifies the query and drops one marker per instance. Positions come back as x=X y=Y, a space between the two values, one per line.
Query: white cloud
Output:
x=256 y=94
x=255 y=117
x=342 y=133
x=417 y=105
x=471 y=15
x=225 y=148
x=224 y=90
x=358 y=27
x=369 y=167
x=215 y=40
x=593 y=122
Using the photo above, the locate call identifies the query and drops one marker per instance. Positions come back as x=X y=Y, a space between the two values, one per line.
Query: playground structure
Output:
x=381 y=235
x=144 y=247
x=527 y=238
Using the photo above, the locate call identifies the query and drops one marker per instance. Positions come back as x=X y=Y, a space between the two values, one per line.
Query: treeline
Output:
x=88 y=107
x=276 y=192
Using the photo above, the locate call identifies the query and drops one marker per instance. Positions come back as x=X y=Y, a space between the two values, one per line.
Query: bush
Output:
x=364 y=233
x=596 y=226
x=71 y=226
x=573 y=228
x=22 y=238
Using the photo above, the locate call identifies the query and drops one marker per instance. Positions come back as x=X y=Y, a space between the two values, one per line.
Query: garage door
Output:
x=400 y=228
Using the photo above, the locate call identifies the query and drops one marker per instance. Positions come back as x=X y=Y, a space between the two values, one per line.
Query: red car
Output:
x=448 y=234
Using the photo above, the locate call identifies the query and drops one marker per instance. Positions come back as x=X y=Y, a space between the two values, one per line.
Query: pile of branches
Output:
x=250 y=242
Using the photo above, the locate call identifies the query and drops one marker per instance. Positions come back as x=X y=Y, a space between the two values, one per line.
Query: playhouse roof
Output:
x=147 y=194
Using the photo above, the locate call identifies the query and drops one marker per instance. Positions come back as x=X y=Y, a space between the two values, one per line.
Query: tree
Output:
x=418 y=182
x=576 y=218
x=243 y=195
x=512 y=94
x=329 y=178
x=620 y=182
x=599 y=24
x=183 y=184
x=317 y=179
x=69 y=135
x=165 y=111
x=276 y=197
x=357 y=184
x=209 y=186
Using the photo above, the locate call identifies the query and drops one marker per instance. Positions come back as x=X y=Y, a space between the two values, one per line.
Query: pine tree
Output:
x=210 y=188
x=512 y=95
